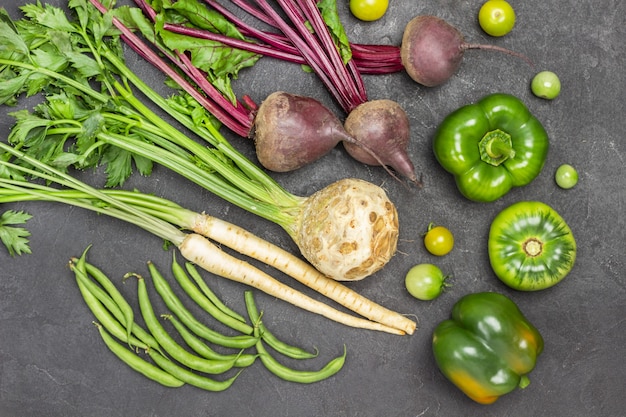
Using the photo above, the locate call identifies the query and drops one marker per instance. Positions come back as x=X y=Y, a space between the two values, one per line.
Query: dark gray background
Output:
x=53 y=363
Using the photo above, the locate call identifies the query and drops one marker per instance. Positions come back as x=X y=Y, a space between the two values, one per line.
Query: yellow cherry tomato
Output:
x=496 y=17
x=438 y=240
x=368 y=10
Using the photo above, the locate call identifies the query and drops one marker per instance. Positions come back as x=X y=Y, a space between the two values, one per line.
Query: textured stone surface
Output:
x=53 y=363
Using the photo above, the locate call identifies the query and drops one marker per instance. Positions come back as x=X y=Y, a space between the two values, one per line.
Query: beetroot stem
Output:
x=350 y=74
x=311 y=49
x=368 y=58
x=235 y=117
x=266 y=50
x=149 y=55
x=498 y=49
x=329 y=80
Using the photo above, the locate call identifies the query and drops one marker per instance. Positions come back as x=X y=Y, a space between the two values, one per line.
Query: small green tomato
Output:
x=368 y=10
x=546 y=84
x=496 y=17
x=425 y=281
x=566 y=176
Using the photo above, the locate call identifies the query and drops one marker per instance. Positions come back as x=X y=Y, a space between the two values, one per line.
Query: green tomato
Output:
x=368 y=10
x=425 y=281
x=496 y=17
x=566 y=176
x=438 y=240
x=546 y=84
x=530 y=246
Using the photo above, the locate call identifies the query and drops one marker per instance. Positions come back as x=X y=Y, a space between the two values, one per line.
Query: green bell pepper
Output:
x=491 y=146
x=530 y=246
x=487 y=346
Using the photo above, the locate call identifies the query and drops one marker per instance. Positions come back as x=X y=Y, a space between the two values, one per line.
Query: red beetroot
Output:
x=432 y=50
x=291 y=131
x=384 y=126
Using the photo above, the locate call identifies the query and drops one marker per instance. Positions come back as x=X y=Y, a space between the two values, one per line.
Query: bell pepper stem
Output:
x=524 y=381
x=496 y=147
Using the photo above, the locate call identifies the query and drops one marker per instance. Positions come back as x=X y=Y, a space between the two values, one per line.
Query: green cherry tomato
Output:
x=566 y=176
x=496 y=17
x=368 y=10
x=438 y=240
x=425 y=281
x=546 y=84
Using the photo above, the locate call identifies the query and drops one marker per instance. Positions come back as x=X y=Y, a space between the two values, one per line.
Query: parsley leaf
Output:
x=14 y=238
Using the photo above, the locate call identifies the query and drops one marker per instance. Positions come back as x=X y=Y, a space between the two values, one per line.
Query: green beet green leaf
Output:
x=203 y=17
x=328 y=9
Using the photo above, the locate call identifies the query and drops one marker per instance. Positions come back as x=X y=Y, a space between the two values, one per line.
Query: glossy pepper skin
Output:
x=487 y=346
x=491 y=146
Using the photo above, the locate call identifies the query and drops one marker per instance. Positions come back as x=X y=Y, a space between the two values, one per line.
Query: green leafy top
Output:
x=91 y=116
x=328 y=9
x=14 y=238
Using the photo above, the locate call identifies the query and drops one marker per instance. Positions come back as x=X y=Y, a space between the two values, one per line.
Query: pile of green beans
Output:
x=198 y=363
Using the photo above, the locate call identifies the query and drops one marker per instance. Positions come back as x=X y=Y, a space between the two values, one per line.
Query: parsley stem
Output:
x=103 y=98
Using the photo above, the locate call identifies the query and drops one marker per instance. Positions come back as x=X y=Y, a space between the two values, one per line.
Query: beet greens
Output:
x=301 y=35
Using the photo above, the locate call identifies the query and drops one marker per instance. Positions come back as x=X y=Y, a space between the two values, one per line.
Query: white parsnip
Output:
x=347 y=231
x=163 y=219
x=199 y=250
x=246 y=243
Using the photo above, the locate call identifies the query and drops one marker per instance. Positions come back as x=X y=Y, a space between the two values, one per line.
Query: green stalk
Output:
x=113 y=207
x=246 y=186
x=188 y=169
x=13 y=191
x=207 y=132
x=53 y=74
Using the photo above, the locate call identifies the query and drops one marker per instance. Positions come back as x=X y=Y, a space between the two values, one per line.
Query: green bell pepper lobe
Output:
x=530 y=246
x=487 y=347
x=491 y=146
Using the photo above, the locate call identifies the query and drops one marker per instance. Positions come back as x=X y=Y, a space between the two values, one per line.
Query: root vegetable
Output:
x=369 y=229
x=201 y=251
x=383 y=125
x=244 y=242
x=163 y=219
x=432 y=50
x=280 y=147
x=125 y=130
x=291 y=131
x=341 y=78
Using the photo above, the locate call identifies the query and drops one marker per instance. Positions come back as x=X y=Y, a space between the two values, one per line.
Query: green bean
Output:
x=269 y=338
x=184 y=315
x=190 y=377
x=111 y=289
x=193 y=272
x=113 y=307
x=294 y=375
x=135 y=362
x=241 y=360
x=204 y=302
x=102 y=314
x=169 y=344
